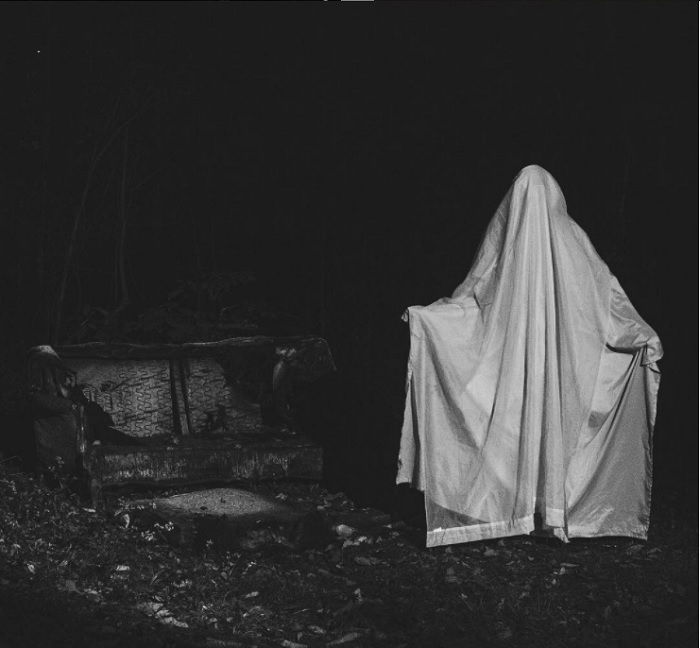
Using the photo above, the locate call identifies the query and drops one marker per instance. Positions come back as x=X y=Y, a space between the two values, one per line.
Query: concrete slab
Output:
x=230 y=519
x=224 y=501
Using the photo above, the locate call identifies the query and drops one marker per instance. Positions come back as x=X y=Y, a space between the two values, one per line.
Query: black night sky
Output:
x=349 y=156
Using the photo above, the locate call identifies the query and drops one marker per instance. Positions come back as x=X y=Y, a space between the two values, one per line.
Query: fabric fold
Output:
x=531 y=391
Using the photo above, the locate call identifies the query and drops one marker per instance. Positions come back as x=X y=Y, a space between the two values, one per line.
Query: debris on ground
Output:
x=117 y=577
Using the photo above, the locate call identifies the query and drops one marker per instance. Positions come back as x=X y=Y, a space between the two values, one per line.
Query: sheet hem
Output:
x=521 y=526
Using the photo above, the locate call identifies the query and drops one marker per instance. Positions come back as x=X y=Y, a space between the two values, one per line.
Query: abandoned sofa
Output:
x=176 y=413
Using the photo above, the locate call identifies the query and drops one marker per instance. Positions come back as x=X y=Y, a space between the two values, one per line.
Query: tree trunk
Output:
x=122 y=292
x=77 y=217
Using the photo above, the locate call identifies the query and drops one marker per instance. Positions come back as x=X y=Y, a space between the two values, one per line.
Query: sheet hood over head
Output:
x=515 y=377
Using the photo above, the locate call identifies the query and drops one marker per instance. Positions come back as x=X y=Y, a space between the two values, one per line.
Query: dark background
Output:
x=349 y=157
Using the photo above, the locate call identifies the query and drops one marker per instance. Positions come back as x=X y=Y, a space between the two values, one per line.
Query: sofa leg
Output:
x=96 y=493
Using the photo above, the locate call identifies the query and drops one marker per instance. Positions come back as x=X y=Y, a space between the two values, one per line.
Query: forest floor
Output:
x=70 y=576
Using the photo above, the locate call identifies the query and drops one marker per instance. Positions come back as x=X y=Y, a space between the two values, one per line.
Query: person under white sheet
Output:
x=531 y=391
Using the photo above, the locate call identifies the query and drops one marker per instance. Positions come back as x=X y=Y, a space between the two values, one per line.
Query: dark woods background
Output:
x=192 y=170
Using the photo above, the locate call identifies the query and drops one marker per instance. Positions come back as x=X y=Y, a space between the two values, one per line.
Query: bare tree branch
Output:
x=98 y=154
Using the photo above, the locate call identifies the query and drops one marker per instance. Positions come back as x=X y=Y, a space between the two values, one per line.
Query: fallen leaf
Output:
x=347 y=638
x=343 y=530
x=488 y=552
x=566 y=568
x=93 y=595
x=357 y=541
x=149 y=607
x=171 y=620
x=124 y=519
x=258 y=610
x=292 y=644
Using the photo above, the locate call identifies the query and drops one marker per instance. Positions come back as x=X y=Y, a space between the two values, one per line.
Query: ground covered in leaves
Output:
x=70 y=576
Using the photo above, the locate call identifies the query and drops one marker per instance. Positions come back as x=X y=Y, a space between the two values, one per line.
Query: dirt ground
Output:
x=70 y=576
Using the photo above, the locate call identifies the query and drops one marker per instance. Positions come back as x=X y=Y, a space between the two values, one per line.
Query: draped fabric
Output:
x=531 y=392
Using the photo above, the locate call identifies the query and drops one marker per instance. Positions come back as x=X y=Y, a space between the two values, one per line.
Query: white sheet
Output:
x=531 y=392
